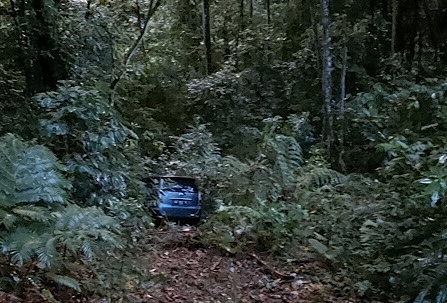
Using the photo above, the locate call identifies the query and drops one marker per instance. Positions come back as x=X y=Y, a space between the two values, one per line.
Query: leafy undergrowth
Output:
x=171 y=265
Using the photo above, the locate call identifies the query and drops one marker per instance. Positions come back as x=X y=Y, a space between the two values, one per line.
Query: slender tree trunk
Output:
x=316 y=37
x=328 y=124
x=395 y=7
x=342 y=108
x=251 y=9
x=268 y=12
x=140 y=21
x=207 y=35
x=241 y=14
x=23 y=57
x=432 y=32
x=227 y=39
x=343 y=79
x=420 y=49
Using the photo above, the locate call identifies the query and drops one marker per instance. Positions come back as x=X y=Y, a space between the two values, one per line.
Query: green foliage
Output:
x=369 y=231
x=247 y=193
x=66 y=281
x=398 y=116
x=85 y=230
x=197 y=153
x=39 y=226
x=100 y=151
x=29 y=174
x=316 y=177
x=14 y=107
x=268 y=226
x=31 y=182
x=260 y=112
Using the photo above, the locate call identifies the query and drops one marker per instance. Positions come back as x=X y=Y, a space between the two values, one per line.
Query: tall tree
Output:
x=241 y=14
x=251 y=9
x=207 y=35
x=328 y=127
x=394 y=26
x=342 y=106
x=268 y=12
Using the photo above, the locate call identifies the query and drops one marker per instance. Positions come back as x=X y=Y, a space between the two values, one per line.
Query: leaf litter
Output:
x=194 y=274
x=181 y=270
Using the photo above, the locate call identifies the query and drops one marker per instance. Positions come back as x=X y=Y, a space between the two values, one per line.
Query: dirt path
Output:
x=198 y=275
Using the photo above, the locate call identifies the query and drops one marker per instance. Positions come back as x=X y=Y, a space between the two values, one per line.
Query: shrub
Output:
x=41 y=230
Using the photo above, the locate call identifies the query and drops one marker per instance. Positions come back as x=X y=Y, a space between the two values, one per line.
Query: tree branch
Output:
x=152 y=9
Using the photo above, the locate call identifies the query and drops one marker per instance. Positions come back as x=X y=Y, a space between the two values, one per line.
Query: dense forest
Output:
x=317 y=131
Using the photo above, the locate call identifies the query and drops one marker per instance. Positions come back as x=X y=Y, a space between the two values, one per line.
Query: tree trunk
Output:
x=342 y=107
x=432 y=31
x=316 y=37
x=251 y=9
x=328 y=124
x=395 y=6
x=207 y=35
x=268 y=12
x=241 y=14
x=152 y=9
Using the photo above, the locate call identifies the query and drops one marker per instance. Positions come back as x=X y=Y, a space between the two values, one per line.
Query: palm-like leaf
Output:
x=29 y=174
x=64 y=280
x=30 y=182
x=84 y=229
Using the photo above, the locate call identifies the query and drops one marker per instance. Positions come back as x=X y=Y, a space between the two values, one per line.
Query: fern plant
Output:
x=87 y=230
x=36 y=218
x=197 y=153
x=31 y=185
x=312 y=177
x=270 y=227
x=273 y=171
x=441 y=296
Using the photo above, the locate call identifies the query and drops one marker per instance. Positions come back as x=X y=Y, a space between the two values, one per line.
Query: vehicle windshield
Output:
x=179 y=185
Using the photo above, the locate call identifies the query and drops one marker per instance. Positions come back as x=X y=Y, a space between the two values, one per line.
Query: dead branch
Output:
x=272 y=270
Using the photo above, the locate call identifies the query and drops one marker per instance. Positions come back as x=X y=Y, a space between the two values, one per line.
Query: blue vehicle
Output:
x=174 y=198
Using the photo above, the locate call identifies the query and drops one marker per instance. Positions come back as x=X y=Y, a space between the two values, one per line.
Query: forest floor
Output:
x=181 y=271
x=192 y=274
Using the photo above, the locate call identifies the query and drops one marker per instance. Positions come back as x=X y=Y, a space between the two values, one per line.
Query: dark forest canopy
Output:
x=311 y=125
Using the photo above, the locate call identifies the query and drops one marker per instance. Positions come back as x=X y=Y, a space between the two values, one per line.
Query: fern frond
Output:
x=7 y=219
x=21 y=244
x=442 y=295
x=234 y=166
x=85 y=229
x=87 y=250
x=287 y=157
x=421 y=297
x=29 y=174
x=47 y=252
x=33 y=212
x=321 y=176
x=66 y=281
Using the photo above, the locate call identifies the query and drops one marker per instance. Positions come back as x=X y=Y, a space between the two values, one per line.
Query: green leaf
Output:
x=66 y=281
x=320 y=247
